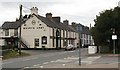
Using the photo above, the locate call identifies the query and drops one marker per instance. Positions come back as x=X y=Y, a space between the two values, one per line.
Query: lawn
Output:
x=13 y=54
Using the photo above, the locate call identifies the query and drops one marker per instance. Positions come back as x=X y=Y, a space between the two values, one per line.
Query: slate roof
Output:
x=49 y=23
x=11 y=25
x=54 y=24
x=85 y=31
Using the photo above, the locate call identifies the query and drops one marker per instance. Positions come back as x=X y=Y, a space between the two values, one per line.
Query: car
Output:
x=70 y=47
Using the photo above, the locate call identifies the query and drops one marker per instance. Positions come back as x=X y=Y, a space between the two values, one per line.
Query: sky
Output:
x=79 y=11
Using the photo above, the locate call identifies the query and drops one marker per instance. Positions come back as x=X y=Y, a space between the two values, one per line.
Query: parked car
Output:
x=70 y=47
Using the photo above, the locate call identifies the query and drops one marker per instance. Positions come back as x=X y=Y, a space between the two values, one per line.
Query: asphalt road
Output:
x=40 y=58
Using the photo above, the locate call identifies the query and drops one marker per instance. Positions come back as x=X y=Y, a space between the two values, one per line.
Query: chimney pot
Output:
x=49 y=16
x=66 y=22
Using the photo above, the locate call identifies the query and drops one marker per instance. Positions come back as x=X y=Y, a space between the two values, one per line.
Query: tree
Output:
x=104 y=23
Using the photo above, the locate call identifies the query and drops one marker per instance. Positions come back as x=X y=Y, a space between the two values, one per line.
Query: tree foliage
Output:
x=104 y=23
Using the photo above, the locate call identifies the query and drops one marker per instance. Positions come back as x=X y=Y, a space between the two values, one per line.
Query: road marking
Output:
x=71 y=51
x=52 y=61
x=45 y=63
x=26 y=67
x=89 y=60
x=41 y=66
x=63 y=60
x=35 y=65
x=25 y=59
x=72 y=58
x=7 y=62
x=64 y=64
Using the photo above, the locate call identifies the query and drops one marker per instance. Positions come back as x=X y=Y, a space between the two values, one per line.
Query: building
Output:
x=36 y=31
x=85 y=36
x=1 y=40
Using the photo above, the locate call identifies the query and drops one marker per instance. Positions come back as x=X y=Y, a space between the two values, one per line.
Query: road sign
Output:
x=114 y=37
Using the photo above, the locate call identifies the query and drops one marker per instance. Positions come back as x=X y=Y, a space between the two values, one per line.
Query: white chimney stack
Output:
x=34 y=10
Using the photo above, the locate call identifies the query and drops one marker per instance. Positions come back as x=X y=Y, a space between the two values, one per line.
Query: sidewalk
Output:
x=73 y=64
x=78 y=66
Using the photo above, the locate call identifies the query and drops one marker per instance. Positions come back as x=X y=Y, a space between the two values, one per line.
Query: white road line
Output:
x=35 y=65
x=45 y=63
x=7 y=62
x=71 y=51
x=52 y=61
x=26 y=67
x=89 y=60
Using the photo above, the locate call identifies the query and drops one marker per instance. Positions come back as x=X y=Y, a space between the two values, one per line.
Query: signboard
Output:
x=114 y=37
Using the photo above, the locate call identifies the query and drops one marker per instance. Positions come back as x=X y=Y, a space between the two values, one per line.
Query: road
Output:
x=41 y=58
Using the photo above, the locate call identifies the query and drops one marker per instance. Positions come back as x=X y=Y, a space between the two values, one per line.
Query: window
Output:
x=15 y=32
x=6 y=32
x=36 y=42
x=44 y=40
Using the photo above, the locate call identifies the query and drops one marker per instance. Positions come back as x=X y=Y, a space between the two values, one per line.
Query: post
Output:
x=79 y=53
x=20 y=29
x=114 y=37
x=79 y=44
x=114 y=46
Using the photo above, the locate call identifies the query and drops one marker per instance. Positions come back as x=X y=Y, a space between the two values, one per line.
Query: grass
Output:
x=13 y=54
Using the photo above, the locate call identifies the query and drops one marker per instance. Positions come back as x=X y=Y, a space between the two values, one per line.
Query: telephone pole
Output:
x=20 y=18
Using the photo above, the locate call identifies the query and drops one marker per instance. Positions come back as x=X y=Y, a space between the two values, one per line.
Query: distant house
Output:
x=1 y=40
x=39 y=32
x=85 y=36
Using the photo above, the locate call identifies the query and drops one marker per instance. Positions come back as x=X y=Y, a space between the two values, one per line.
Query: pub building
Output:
x=39 y=32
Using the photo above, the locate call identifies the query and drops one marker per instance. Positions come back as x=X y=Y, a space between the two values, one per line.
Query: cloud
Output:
x=80 y=11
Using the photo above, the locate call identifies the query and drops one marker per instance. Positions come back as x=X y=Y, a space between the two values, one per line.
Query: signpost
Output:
x=79 y=39
x=114 y=37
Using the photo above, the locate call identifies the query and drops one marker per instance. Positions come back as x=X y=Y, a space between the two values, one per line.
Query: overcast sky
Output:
x=79 y=11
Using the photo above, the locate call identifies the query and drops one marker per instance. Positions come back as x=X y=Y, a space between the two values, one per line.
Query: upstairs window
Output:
x=15 y=32
x=6 y=32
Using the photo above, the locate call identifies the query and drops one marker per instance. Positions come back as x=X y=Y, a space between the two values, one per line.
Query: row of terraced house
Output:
x=35 y=31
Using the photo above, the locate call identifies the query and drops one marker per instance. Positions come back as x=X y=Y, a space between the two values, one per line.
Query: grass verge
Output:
x=13 y=54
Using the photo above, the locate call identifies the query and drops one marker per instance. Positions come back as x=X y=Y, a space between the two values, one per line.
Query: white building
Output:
x=39 y=32
x=85 y=36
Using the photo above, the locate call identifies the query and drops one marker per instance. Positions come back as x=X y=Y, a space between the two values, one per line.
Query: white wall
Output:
x=30 y=34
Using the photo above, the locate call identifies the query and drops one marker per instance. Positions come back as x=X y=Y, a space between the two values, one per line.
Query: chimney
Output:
x=49 y=16
x=34 y=10
x=66 y=22
x=56 y=19
x=73 y=23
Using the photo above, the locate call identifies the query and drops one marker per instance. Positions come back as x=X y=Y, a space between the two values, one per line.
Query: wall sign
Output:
x=33 y=27
x=33 y=22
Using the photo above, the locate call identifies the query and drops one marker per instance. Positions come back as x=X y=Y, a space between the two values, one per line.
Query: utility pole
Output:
x=20 y=29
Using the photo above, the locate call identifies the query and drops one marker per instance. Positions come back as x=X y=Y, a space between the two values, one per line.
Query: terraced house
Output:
x=39 y=32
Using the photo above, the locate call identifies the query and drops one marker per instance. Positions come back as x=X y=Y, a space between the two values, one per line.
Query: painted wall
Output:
x=31 y=30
